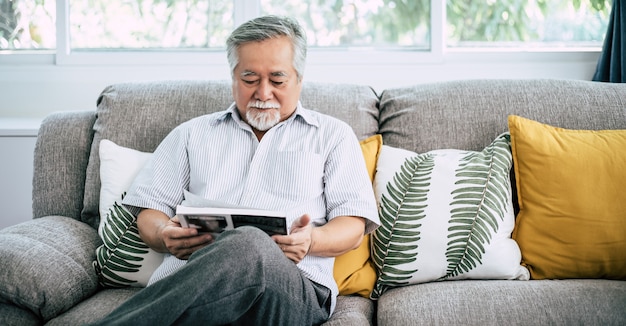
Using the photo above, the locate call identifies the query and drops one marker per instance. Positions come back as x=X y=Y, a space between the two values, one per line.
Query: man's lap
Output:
x=243 y=277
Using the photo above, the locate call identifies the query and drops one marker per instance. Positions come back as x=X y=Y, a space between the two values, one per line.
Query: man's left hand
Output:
x=297 y=244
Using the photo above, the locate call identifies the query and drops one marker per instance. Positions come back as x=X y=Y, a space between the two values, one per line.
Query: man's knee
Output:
x=244 y=247
x=248 y=239
x=256 y=252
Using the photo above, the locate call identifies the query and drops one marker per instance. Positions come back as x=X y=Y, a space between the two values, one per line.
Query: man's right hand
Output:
x=163 y=234
x=182 y=242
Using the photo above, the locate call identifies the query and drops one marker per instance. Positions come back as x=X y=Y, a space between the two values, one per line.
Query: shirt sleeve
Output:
x=348 y=188
x=161 y=183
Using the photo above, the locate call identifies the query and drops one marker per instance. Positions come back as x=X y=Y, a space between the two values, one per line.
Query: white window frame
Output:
x=247 y=9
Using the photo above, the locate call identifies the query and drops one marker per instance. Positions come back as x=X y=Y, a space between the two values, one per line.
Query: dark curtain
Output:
x=612 y=63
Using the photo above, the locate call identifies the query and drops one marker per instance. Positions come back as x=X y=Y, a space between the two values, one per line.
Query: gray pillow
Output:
x=47 y=265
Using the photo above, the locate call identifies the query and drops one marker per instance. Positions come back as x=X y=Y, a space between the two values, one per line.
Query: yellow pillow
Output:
x=570 y=184
x=354 y=271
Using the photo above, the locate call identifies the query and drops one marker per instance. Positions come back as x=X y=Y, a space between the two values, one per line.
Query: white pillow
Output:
x=445 y=215
x=118 y=168
x=123 y=259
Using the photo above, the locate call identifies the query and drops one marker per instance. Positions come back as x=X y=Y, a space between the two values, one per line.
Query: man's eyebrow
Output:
x=246 y=73
x=279 y=74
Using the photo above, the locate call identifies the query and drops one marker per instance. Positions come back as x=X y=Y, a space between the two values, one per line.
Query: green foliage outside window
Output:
x=505 y=21
x=204 y=24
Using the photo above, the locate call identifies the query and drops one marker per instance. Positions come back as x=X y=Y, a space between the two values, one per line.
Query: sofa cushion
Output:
x=572 y=219
x=123 y=259
x=499 y=302
x=11 y=315
x=139 y=115
x=94 y=308
x=352 y=311
x=47 y=264
x=354 y=271
x=445 y=215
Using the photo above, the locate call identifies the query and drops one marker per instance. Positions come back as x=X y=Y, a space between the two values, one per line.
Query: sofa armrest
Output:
x=60 y=163
x=47 y=265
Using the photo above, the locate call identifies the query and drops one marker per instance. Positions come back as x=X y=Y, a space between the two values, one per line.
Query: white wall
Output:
x=28 y=92
x=17 y=142
x=34 y=90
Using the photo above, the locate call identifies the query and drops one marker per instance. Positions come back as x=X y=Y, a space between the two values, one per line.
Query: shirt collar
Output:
x=305 y=115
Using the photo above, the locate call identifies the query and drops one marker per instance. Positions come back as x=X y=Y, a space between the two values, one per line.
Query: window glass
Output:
x=142 y=24
x=359 y=23
x=403 y=24
x=27 y=25
x=526 y=23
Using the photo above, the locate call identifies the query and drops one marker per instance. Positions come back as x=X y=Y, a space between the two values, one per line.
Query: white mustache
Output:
x=263 y=105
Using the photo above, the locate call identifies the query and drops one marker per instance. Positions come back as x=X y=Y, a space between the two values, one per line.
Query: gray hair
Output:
x=267 y=27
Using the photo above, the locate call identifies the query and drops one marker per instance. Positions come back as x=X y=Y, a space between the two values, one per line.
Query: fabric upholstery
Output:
x=572 y=219
x=500 y=302
x=11 y=315
x=470 y=114
x=352 y=311
x=60 y=161
x=46 y=264
x=94 y=308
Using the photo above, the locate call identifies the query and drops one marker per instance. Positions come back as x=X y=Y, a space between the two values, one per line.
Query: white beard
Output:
x=263 y=115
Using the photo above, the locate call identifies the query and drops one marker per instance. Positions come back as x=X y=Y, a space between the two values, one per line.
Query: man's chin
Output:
x=261 y=121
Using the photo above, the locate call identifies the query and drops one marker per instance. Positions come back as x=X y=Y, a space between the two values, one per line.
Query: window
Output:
x=429 y=26
x=27 y=25
x=149 y=24
x=536 y=23
x=359 y=23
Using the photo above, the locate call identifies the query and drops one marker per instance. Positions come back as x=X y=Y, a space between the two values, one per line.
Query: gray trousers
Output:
x=243 y=278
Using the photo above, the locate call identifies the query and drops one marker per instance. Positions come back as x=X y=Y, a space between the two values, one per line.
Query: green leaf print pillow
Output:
x=123 y=259
x=445 y=215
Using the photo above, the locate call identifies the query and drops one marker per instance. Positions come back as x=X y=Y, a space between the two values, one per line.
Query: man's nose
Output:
x=264 y=91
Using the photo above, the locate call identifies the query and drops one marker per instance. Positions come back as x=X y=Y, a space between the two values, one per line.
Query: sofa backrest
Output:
x=139 y=115
x=470 y=114
x=465 y=114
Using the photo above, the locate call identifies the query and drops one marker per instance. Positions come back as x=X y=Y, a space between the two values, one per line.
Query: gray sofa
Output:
x=47 y=275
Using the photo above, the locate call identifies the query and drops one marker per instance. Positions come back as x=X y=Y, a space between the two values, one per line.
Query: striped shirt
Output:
x=308 y=164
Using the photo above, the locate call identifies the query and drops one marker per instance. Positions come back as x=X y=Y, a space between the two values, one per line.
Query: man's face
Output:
x=265 y=83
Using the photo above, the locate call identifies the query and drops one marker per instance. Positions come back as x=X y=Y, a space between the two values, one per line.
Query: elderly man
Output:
x=265 y=151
